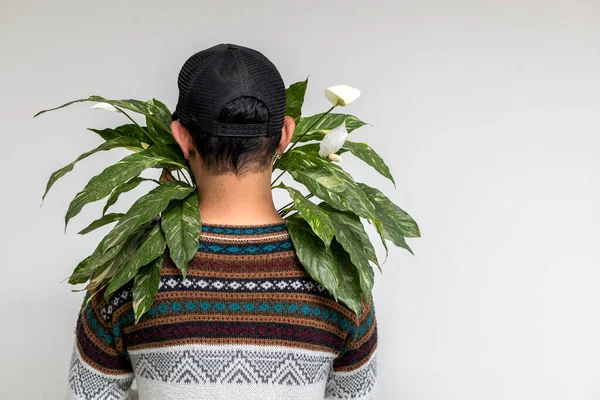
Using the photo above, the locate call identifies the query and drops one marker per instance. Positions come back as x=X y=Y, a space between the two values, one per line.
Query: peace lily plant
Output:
x=329 y=236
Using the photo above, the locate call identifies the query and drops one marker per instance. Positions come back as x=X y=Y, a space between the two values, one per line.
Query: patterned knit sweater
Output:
x=247 y=323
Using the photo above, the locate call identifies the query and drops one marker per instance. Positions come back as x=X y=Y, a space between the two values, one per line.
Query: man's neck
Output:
x=229 y=200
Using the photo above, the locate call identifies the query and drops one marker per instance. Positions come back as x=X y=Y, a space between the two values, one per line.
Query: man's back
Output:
x=248 y=322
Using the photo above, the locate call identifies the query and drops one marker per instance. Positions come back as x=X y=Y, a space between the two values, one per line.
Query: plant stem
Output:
x=312 y=126
x=184 y=177
x=278 y=176
x=276 y=163
x=308 y=196
x=283 y=216
x=170 y=174
x=287 y=205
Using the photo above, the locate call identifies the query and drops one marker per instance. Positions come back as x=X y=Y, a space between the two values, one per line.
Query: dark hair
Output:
x=238 y=154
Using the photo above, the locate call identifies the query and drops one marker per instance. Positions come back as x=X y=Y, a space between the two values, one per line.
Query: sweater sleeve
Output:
x=354 y=371
x=100 y=367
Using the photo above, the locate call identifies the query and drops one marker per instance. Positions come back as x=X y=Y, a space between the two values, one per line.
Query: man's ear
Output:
x=184 y=139
x=289 y=125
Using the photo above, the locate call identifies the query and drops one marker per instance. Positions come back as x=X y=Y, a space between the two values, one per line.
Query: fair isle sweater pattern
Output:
x=247 y=322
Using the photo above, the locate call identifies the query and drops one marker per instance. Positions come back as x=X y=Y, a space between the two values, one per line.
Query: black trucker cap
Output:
x=215 y=76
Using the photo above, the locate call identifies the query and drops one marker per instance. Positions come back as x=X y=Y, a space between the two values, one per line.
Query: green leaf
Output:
x=108 y=145
x=92 y=263
x=329 y=122
x=316 y=259
x=397 y=224
x=301 y=158
x=380 y=230
x=102 y=184
x=364 y=152
x=137 y=106
x=350 y=233
x=145 y=287
x=182 y=226
x=107 y=270
x=105 y=220
x=294 y=99
x=144 y=209
x=153 y=109
x=152 y=247
x=81 y=273
x=334 y=185
x=123 y=188
x=159 y=133
x=127 y=130
x=162 y=112
x=349 y=290
x=311 y=213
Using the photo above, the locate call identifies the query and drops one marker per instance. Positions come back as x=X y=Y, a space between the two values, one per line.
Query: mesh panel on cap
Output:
x=213 y=77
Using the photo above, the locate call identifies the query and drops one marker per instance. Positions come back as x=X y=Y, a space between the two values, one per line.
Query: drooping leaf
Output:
x=397 y=224
x=137 y=106
x=108 y=145
x=144 y=209
x=349 y=281
x=364 y=152
x=316 y=259
x=182 y=226
x=102 y=184
x=331 y=183
x=145 y=287
x=151 y=247
x=381 y=231
x=152 y=109
x=330 y=121
x=93 y=262
x=350 y=233
x=123 y=188
x=105 y=220
x=315 y=216
x=80 y=274
x=107 y=270
x=294 y=99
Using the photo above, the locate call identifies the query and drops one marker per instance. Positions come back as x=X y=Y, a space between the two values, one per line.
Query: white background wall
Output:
x=488 y=114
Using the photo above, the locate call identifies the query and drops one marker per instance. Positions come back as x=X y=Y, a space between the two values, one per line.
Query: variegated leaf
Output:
x=294 y=99
x=145 y=287
x=324 y=125
x=364 y=152
x=182 y=226
x=153 y=246
x=311 y=213
x=316 y=259
x=123 y=188
x=103 y=184
x=144 y=209
x=126 y=142
x=105 y=220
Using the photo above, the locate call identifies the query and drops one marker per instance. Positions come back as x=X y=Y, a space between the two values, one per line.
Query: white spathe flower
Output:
x=341 y=95
x=104 y=106
x=333 y=141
